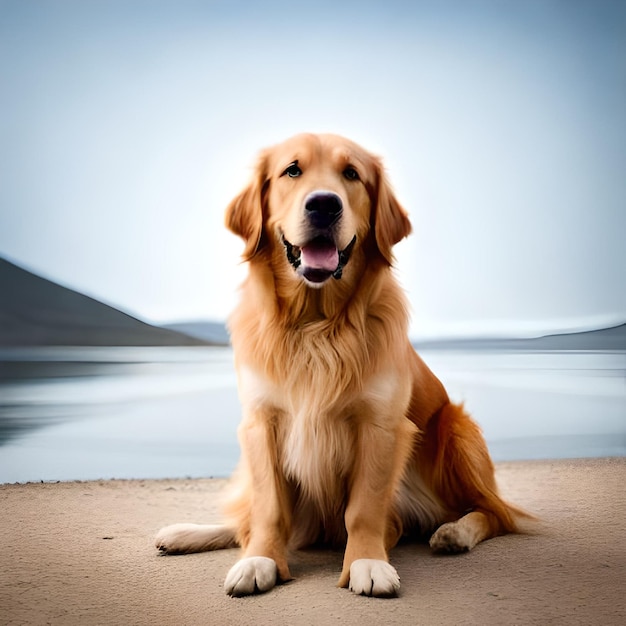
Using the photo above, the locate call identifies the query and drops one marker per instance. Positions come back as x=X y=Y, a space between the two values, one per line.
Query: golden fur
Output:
x=347 y=437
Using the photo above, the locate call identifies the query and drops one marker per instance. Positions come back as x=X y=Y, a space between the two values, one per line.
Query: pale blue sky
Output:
x=126 y=127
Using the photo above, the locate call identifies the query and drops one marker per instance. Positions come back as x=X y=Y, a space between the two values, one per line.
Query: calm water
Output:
x=173 y=412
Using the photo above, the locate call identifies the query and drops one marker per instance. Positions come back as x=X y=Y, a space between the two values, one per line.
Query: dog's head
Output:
x=316 y=198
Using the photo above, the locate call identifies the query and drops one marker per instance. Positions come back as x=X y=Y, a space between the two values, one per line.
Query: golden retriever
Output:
x=347 y=437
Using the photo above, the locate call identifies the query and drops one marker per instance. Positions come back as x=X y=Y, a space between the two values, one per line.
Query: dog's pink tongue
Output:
x=320 y=255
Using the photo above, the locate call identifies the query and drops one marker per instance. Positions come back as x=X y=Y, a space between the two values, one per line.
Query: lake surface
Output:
x=91 y=413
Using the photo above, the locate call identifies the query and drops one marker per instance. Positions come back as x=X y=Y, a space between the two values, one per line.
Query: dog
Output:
x=347 y=437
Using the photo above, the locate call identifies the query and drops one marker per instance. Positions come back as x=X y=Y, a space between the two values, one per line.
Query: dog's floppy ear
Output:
x=391 y=222
x=244 y=214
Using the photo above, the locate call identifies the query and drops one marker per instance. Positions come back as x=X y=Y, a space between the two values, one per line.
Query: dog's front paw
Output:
x=451 y=538
x=372 y=577
x=254 y=574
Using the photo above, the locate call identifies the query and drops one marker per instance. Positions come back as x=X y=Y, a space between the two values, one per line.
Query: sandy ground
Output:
x=82 y=553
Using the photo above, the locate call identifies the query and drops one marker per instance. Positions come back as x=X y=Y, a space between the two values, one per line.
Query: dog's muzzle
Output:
x=319 y=259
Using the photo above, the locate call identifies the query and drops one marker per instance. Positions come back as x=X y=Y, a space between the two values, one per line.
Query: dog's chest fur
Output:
x=315 y=436
x=317 y=405
x=315 y=389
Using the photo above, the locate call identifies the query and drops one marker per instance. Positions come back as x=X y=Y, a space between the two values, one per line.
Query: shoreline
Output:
x=82 y=552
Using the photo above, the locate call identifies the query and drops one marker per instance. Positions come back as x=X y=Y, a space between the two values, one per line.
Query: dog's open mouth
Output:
x=319 y=259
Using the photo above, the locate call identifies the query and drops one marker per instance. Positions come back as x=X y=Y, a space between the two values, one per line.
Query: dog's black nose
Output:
x=323 y=208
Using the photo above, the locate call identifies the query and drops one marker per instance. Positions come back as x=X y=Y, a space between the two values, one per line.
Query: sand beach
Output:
x=82 y=553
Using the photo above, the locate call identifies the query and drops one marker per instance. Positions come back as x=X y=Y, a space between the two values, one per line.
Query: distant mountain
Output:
x=35 y=311
x=602 y=339
x=212 y=332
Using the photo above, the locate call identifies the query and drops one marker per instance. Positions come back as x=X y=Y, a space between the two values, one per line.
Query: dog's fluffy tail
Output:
x=186 y=538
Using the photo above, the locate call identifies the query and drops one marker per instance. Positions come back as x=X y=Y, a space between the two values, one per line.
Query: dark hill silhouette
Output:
x=35 y=311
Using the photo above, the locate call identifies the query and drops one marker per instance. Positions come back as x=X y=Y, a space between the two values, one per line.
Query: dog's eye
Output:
x=293 y=171
x=350 y=173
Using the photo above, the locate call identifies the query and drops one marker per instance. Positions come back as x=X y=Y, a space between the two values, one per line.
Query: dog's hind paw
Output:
x=451 y=538
x=373 y=577
x=255 y=574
